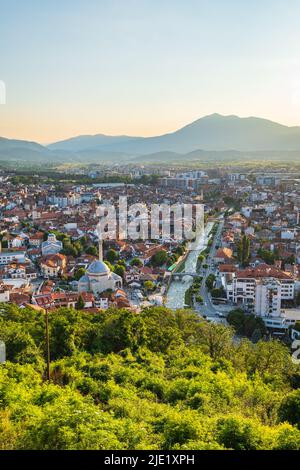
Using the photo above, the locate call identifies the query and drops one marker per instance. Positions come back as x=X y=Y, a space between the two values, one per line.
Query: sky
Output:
x=144 y=67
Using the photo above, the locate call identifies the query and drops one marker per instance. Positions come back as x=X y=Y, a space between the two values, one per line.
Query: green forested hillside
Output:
x=158 y=380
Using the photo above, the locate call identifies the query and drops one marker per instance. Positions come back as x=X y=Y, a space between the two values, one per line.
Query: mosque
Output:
x=99 y=277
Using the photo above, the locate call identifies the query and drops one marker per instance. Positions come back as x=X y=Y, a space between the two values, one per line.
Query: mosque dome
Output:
x=84 y=279
x=98 y=267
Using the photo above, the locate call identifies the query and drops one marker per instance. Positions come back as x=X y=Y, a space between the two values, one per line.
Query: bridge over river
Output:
x=182 y=275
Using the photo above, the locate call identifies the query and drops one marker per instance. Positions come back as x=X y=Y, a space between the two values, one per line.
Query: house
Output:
x=120 y=299
x=102 y=303
x=223 y=255
x=14 y=242
x=55 y=299
x=19 y=298
x=53 y=265
x=36 y=239
x=88 y=299
x=132 y=275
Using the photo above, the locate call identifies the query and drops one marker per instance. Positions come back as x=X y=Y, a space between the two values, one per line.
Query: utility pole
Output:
x=47 y=344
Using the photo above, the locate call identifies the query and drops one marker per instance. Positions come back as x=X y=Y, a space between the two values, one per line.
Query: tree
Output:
x=236 y=318
x=121 y=329
x=92 y=250
x=160 y=379
x=80 y=303
x=243 y=250
x=119 y=269
x=240 y=434
x=218 y=293
x=60 y=427
x=112 y=256
x=256 y=335
x=20 y=346
x=70 y=250
x=179 y=250
x=136 y=262
x=290 y=408
x=4 y=244
x=254 y=324
x=210 y=281
x=160 y=258
x=267 y=255
x=149 y=285
x=246 y=324
x=216 y=339
x=109 y=265
x=201 y=258
x=79 y=273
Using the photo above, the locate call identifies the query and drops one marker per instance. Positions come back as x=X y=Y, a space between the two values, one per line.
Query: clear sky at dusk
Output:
x=145 y=67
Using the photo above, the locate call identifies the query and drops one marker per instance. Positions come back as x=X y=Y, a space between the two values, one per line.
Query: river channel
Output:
x=176 y=293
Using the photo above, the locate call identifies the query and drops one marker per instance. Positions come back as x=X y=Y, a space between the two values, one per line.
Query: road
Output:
x=208 y=309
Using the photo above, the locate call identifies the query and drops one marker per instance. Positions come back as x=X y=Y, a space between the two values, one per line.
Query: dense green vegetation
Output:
x=246 y=325
x=210 y=281
x=159 y=259
x=155 y=380
x=59 y=178
x=192 y=293
x=218 y=293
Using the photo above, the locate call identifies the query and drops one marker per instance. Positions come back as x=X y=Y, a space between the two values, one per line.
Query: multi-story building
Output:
x=12 y=257
x=190 y=180
x=261 y=289
x=64 y=199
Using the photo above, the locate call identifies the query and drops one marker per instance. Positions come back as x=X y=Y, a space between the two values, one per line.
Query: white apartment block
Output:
x=261 y=290
x=11 y=257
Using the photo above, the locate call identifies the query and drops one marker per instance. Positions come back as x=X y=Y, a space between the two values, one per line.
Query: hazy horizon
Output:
x=145 y=68
x=154 y=135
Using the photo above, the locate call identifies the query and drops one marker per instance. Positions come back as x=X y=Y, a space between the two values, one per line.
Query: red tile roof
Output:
x=263 y=270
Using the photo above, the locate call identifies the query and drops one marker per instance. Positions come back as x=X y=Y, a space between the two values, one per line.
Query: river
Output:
x=177 y=289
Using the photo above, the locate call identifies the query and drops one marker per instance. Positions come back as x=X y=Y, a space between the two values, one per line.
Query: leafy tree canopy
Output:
x=159 y=379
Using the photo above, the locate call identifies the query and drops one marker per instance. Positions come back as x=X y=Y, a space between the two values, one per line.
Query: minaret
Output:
x=100 y=249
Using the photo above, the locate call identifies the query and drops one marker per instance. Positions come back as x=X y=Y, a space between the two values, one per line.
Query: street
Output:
x=208 y=309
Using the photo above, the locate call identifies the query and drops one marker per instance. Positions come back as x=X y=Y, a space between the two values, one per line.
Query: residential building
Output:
x=261 y=289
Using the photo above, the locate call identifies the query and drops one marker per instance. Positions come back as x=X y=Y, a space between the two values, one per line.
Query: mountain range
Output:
x=211 y=135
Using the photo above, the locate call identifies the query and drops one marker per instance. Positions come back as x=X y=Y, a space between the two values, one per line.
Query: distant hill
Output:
x=24 y=151
x=21 y=150
x=86 y=142
x=214 y=132
x=213 y=136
